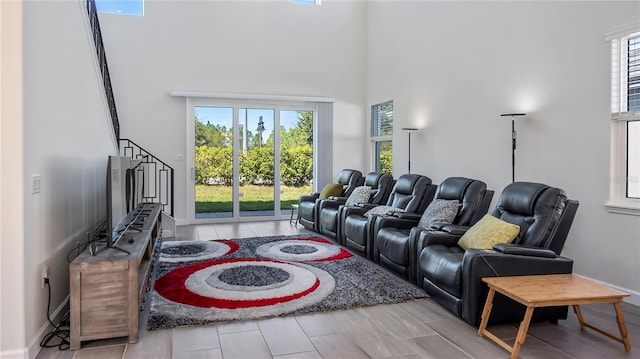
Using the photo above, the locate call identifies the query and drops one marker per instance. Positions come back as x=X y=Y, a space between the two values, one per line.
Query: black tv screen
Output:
x=122 y=195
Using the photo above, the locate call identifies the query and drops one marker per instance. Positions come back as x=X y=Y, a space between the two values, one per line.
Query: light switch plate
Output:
x=36 y=182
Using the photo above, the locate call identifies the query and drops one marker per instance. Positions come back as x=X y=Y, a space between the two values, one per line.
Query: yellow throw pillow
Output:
x=488 y=232
x=332 y=189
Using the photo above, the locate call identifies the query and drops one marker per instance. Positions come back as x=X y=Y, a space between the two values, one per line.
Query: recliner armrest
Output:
x=404 y=215
x=429 y=237
x=523 y=250
x=347 y=211
x=338 y=199
x=455 y=229
x=309 y=197
x=395 y=222
x=367 y=206
x=327 y=203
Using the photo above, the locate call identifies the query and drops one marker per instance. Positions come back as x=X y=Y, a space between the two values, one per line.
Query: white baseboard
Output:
x=33 y=348
x=633 y=299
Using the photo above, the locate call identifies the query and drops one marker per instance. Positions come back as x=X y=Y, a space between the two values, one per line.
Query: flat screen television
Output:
x=123 y=195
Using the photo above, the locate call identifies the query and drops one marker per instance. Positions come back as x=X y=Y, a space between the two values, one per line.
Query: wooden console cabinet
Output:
x=108 y=289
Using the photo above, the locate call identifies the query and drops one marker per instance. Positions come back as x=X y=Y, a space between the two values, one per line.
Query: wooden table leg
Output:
x=522 y=332
x=622 y=326
x=576 y=309
x=486 y=312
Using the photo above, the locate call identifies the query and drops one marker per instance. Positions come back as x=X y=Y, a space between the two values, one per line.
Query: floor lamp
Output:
x=409 y=129
x=513 y=142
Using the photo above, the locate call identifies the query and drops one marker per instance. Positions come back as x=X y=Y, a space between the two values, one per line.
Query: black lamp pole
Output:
x=409 y=129
x=513 y=142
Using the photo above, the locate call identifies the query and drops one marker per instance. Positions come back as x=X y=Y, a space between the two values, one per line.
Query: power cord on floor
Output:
x=59 y=330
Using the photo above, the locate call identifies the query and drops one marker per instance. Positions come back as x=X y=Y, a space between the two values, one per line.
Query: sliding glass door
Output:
x=242 y=166
x=257 y=195
x=296 y=156
x=213 y=169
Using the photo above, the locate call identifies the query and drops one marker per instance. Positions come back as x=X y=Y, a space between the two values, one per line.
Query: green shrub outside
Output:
x=214 y=166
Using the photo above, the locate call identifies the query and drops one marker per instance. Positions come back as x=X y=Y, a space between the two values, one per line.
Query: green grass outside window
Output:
x=211 y=199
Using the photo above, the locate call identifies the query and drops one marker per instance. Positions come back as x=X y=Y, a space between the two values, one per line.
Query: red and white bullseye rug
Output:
x=199 y=282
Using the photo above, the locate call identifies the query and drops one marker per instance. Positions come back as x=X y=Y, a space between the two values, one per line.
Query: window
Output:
x=381 y=136
x=127 y=7
x=625 y=116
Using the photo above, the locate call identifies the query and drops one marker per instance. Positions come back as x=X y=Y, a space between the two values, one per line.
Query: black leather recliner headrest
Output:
x=453 y=188
x=373 y=179
x=380 y=183
x=410 y=192
x=406 y=183
x=521 y=197
x=468 y=191
x=349 y=179
x=535 y=207
x=345 y=176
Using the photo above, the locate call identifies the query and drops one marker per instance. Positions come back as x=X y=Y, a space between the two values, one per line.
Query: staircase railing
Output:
x=102 y=62
x=157 y=176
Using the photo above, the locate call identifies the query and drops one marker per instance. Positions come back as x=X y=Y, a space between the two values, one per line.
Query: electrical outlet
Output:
x=46 y=270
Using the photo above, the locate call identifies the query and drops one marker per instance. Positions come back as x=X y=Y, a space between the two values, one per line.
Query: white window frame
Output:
x=376 y=139
x=618 y=200
x=322 y=134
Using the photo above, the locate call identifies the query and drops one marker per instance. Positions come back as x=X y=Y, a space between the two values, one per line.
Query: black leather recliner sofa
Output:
x=411 y=192
x=307 y=210
x=381 y=184
x=395 y=238
x=452 y=276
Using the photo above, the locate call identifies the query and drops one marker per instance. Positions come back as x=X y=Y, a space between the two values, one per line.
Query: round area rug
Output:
x=199 y=282
x=236 y=288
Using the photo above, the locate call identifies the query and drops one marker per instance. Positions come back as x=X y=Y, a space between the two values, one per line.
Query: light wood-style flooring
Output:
x=416 y=329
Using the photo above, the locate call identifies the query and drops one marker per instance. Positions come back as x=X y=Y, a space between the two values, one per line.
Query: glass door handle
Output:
x=193 y=173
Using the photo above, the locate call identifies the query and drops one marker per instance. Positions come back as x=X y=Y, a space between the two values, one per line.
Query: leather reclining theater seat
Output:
x=307 y=209
x=412 y=193
x=396 y=243
x=452 y=276
x=381 y=185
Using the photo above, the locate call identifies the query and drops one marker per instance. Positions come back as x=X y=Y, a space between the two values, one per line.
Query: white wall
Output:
x=262 y=47
x=12 y=313
x=453 y=67
x=66 y=140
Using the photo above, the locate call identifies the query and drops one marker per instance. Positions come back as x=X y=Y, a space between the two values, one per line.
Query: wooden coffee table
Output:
x=552 y=290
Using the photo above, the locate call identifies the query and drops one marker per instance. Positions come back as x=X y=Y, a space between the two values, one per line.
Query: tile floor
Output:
x=416 y=329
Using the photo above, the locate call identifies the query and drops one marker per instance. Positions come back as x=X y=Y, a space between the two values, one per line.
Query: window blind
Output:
x=633 y=71
x=382 y=119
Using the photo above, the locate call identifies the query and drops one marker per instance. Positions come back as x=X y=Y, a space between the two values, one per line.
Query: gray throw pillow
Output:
x=440 y=212
x=359 y=195
x=382 y=210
